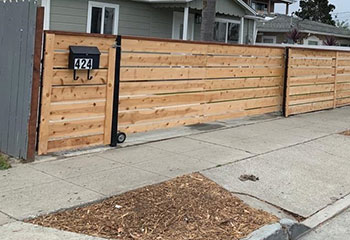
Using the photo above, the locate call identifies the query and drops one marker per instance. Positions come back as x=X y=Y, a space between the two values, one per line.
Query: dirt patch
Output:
x=346 y=133
x=188 y=207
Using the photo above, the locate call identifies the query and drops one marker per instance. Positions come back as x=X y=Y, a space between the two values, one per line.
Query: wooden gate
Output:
x=76 y=113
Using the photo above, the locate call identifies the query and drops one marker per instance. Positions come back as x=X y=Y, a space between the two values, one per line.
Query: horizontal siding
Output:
x=137 y=19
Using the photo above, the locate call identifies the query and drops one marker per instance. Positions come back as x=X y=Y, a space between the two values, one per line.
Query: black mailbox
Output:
x=84 y=58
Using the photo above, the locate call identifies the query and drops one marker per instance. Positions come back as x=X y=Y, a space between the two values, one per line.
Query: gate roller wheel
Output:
x=121 y=137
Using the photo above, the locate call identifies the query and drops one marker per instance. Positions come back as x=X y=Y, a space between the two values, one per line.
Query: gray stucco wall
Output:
x=134 y=18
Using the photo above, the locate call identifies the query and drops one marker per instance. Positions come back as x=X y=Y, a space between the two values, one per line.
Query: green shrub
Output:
x=4 y=163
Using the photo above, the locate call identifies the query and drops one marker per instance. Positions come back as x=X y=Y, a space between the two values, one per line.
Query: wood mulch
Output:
x=188 y=207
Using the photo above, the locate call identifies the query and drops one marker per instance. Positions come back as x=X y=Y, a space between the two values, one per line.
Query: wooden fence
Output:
x=317 y=80
x=76 y=114
x=172 y=83
x=167 y=83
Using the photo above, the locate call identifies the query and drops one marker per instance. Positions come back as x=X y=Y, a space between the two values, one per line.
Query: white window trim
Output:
x=314 y=39
x=103 y=6
x=47 y=5
x=274 y=39
x=190 y=15
x=224 y=20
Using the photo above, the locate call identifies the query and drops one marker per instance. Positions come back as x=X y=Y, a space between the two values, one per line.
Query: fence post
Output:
x=286 y=86
x=114 y=134
x=33 y=120
x=335 y=79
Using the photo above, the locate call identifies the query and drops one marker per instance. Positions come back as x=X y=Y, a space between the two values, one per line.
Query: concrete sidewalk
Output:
x=301 y=161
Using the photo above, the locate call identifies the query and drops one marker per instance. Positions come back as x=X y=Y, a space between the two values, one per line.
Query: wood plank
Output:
x=343 y=86
x=135 y=45
x=137 y=128
x=343 y=102
x=311 y=99
x=244 y=72
x=145 y=127
x=156 y=59
x=297 y=81
x=71 y=129
x=150 y=115
x=343 y=94
x=343 y=62
x=341 y=78
x=241 y=105
x=35 y=87
x=61 y=60
x=311 y=89
x=246 y=51
x=65 y=77
x=312 y=53
x=73 y=110
x=62 y=42
x=147 y=59
x=157 y=87
x=75 y=143
x=305 y=62
x=46 y=94
x=230 y=61
x=311 y=71
x=240 y=114
x=139 y=102
x=136 y=74
x=311 y=107
x=69 y=93
x=109 y=96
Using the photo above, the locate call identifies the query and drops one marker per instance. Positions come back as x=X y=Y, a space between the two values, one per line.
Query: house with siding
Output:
x=276 y=30
x=173 y=19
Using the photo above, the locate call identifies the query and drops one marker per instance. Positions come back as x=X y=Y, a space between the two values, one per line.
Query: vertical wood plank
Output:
x=109 y=96
x=46 y=93
x=35 y=85
x=335 y=78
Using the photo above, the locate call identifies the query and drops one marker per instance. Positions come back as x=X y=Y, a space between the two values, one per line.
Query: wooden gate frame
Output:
x=47 y=86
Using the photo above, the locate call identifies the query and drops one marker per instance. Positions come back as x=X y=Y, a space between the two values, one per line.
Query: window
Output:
x=260 y=7
x=310 y=42
x=103 y=18
x=269 y=39
x=226 y=31
x=313 y=41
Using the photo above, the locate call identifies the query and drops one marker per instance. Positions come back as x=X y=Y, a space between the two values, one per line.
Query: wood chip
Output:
x=188 y=207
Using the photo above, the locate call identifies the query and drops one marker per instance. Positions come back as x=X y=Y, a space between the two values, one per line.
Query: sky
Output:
x=342 y=9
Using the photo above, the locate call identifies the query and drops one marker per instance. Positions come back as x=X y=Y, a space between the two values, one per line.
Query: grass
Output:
x=4 y=163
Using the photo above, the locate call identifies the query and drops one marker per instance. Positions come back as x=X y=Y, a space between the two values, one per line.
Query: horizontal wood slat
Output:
x=76 y=111
x=166 y=84
x=317 y=80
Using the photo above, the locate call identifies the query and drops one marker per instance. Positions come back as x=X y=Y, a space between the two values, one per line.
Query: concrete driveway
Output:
x=302 y=164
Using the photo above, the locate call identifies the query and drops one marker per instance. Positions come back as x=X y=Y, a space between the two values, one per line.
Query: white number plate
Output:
x=83 y=63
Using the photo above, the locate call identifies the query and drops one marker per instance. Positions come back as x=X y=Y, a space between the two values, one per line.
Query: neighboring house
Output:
x=176 y=19
x=267 y=7
x=275 y=30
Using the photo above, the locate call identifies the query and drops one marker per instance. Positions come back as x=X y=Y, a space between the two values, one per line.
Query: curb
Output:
x=285 y=229
x=328 y=213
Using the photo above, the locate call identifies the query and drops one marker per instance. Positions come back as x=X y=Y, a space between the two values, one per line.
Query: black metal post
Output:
x=284 y=106
x=114 y=135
